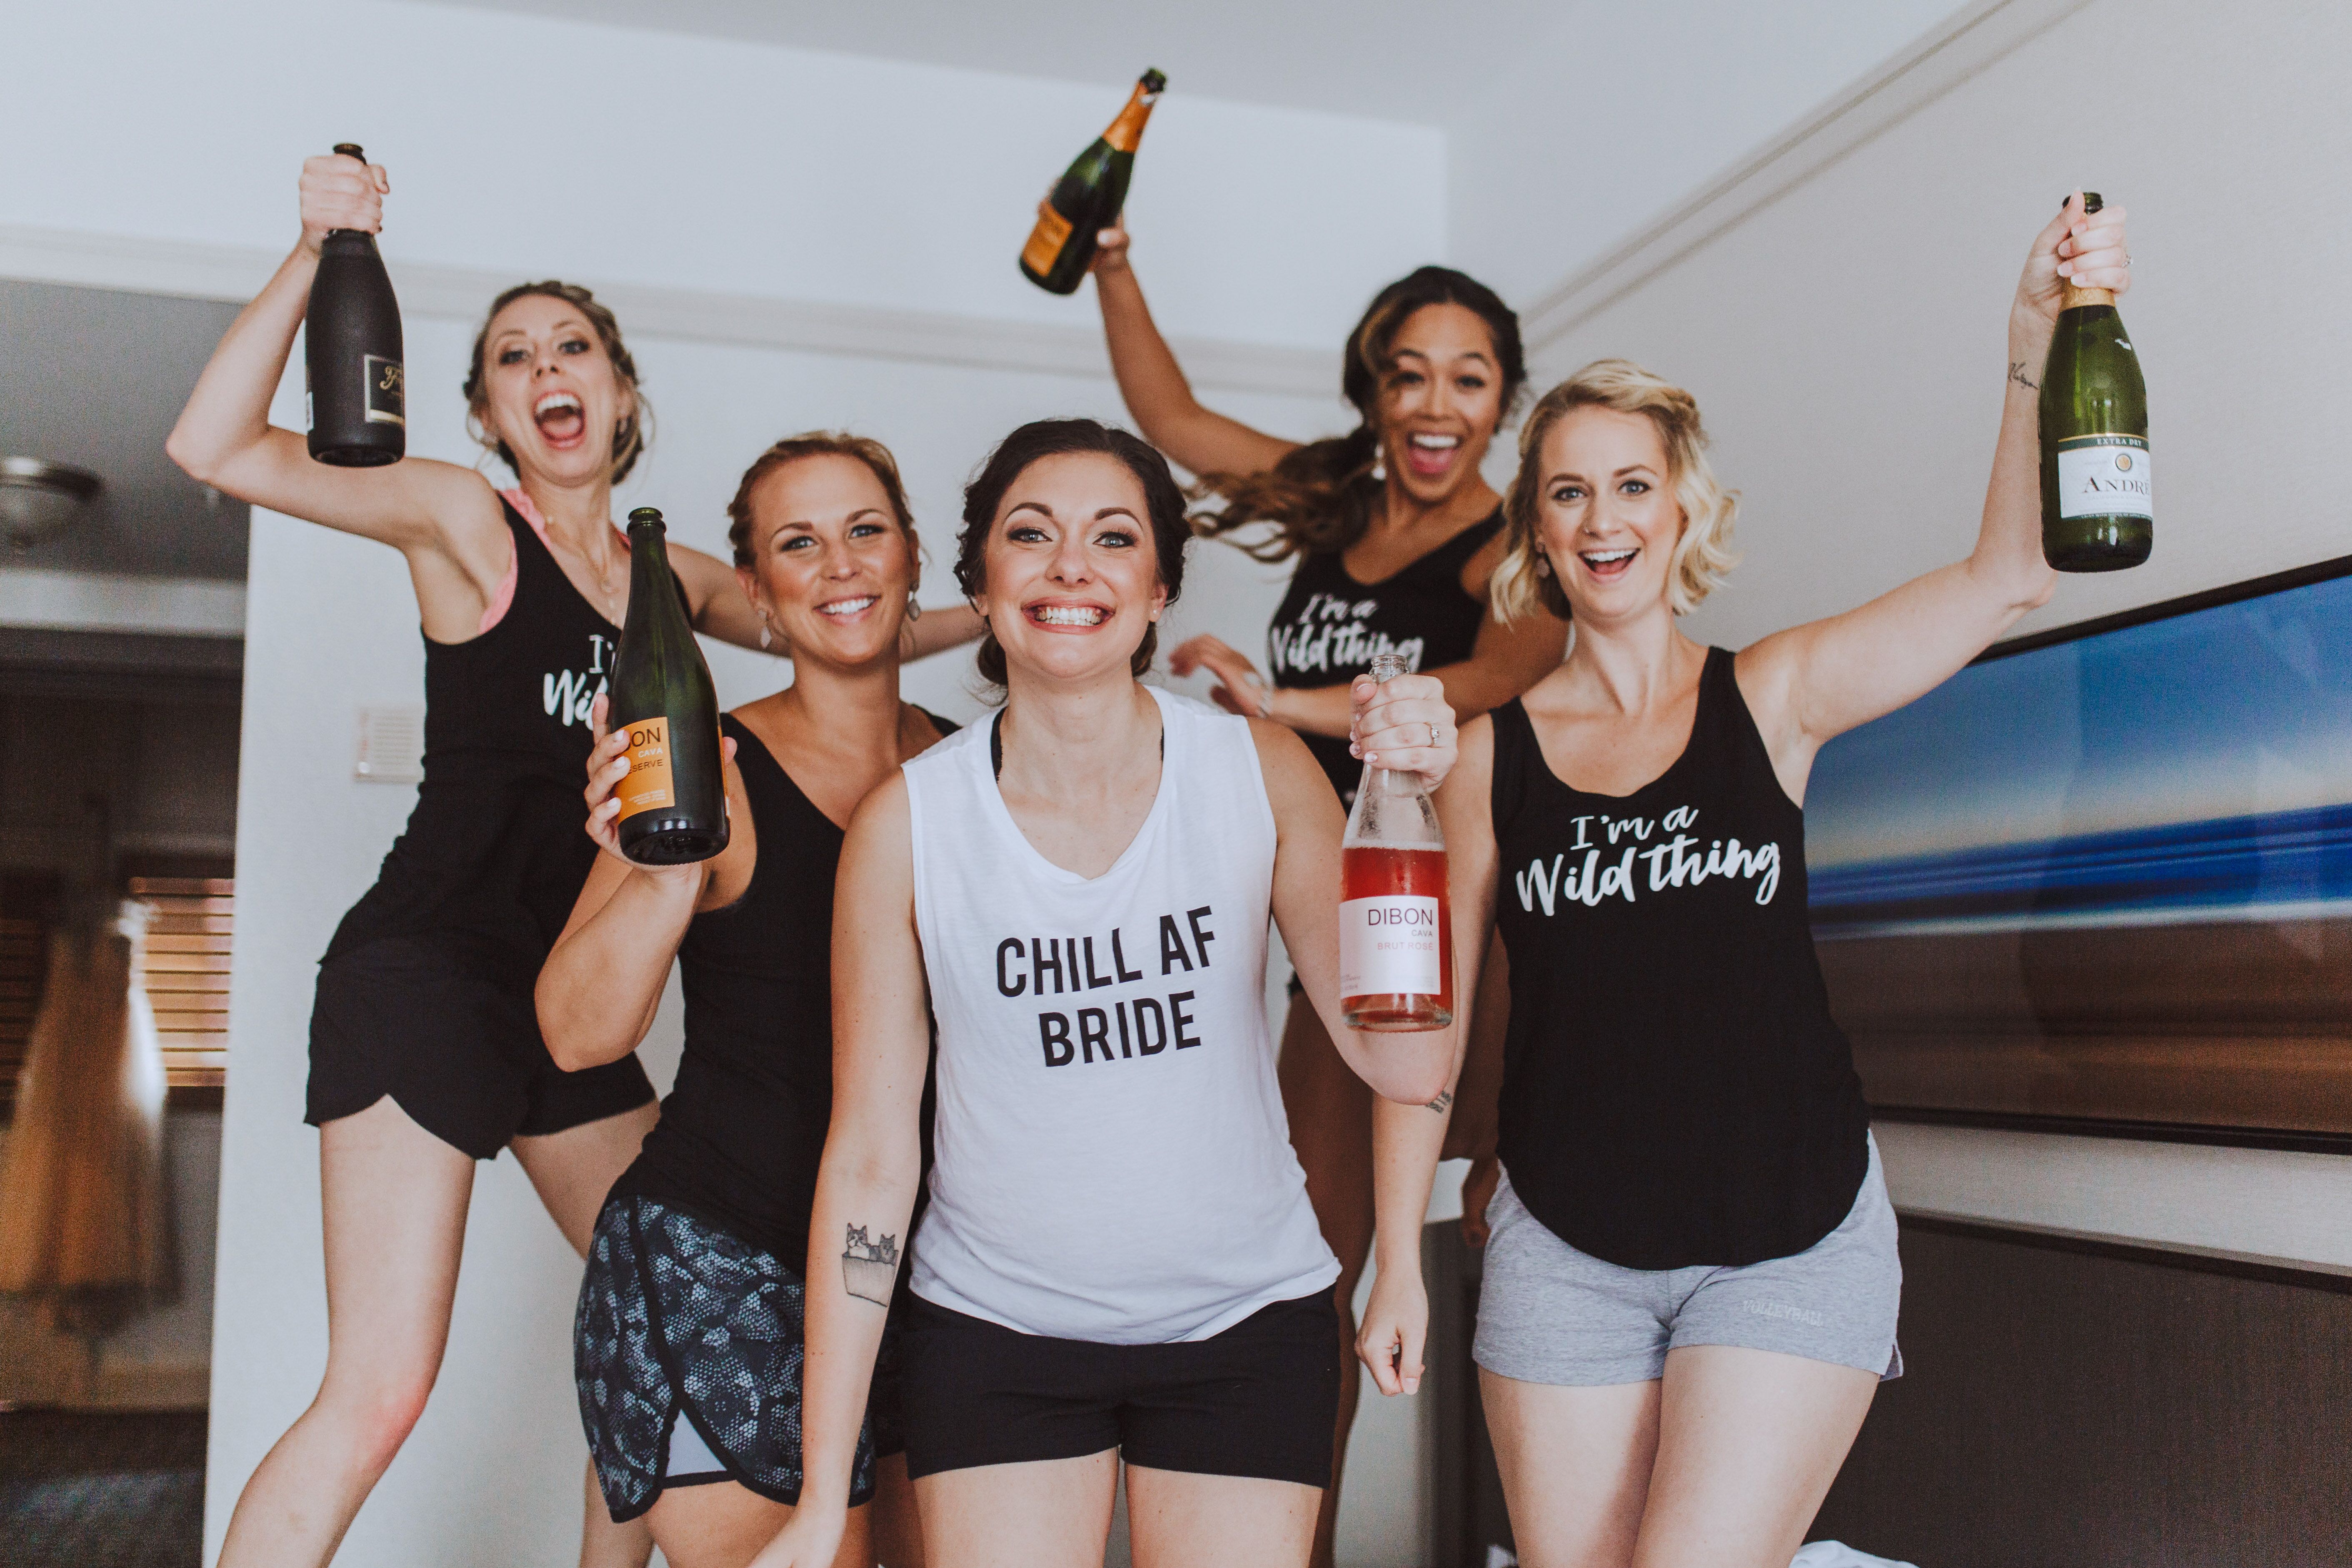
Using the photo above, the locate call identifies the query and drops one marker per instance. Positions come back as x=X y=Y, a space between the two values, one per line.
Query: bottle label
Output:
x=1126 y=132
x=1388 y=945
x=648 y=784
x=1045 y=245
x=2105 y=476
x=387 y=398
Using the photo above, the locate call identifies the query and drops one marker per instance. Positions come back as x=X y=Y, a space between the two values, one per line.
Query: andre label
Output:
x=2105 y=476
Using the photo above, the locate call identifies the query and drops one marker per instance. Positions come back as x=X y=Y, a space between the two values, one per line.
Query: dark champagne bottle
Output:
x=351 y=360
x=1088 y=199
x=674 y=800
x=2096 y=482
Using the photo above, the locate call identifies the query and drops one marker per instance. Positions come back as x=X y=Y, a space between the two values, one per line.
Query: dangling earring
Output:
x=1543 y=564
x=1380 y=467
x=914 y=610
x=765 y=638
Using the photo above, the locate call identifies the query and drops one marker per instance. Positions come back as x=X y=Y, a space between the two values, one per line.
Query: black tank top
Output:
x=1674 y=1090
x=493 y=856
x=1331 y=625
x=743 y=1127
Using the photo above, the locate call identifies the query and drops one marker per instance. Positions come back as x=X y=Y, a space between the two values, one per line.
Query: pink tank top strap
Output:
x=502 y=596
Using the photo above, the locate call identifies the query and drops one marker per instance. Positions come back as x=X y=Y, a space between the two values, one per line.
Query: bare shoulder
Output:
x=1767 y=671
x=887 y=815
x=1282 y=756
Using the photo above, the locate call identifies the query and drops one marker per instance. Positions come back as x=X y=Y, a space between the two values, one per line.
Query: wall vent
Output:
x=392 y=744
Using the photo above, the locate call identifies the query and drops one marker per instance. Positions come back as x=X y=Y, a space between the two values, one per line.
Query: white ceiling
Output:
x=97 y=378
x=1408 y=60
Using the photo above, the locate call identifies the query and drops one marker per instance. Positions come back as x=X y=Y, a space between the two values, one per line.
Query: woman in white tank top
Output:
x=1118 y=1260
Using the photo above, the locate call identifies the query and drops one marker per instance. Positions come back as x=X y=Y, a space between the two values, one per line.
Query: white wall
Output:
x=521 y=147
x=1614 y=113
x=1846 y=341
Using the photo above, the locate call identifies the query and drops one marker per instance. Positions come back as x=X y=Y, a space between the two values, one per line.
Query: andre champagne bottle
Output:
x=1088 y=198
x=1396 y=931
x=359 y=407
x=674 y=800
x=2096 y=482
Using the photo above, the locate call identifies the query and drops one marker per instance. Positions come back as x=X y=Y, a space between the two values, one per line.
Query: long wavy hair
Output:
x=1321 y=494
x=635 y=430
x=1525 y=583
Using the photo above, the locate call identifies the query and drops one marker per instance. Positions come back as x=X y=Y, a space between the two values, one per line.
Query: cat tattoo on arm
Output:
x=869 y=1269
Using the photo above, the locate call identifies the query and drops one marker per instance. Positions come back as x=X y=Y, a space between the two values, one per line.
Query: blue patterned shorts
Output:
x=681 y=1320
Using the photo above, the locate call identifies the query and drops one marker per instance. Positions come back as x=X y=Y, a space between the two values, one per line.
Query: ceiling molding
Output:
x=207 y=271
x=1965 y=44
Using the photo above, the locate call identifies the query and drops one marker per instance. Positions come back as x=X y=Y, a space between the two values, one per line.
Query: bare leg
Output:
x=1048 y=1513
x=1748 y=1442
x=898 y=1527
x=718 y=1524
x=1575 y=1467
x=1178 y=1520
x=393 y=1201
x=572 y=1171
x=1330 y=1113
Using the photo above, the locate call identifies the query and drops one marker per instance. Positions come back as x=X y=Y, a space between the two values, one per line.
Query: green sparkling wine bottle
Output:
x=351 y=356
x=1088 y=196
x=674 y=799
x=2096 y=482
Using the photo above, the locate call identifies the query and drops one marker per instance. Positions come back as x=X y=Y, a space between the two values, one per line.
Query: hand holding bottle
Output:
x=608 y=764
x=340 y=192
x=1110 y=247
x=2078 y=248
x=1404 y=725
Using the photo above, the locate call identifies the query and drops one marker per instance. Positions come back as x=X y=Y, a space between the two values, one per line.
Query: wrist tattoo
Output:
x=1444 y=1101
x=2017 y=374
x=869 y=1269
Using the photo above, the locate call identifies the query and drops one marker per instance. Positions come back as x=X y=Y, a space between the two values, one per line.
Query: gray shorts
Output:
x=1549 y=1313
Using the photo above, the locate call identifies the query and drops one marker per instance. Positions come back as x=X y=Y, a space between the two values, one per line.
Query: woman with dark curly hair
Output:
x=1397 y=535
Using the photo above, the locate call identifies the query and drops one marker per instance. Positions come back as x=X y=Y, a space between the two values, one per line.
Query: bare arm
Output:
x=445 y=519
x=951 y=626
x=1416 y=1067
x=1152 y=383
x=1815 y=681
x=873 y=1160
x=1407 y=1139
x=598 y=990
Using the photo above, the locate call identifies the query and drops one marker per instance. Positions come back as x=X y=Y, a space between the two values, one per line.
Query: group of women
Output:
x=929 y=1243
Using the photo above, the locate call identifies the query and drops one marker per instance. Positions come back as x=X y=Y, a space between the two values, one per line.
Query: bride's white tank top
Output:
x=1113 y=1163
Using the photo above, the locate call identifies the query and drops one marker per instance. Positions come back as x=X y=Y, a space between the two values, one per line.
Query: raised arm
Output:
x=1152 y=383
x=1414 y=1068
x=1813 y=682
x=601 y=983
x=224 y=436
x=1408 y=1139
x=873 y=1161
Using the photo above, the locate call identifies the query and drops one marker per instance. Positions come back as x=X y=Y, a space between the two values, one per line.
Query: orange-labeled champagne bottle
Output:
x=1396 y=928
x=1087 y=197
x=351 y=353
x=674 y=797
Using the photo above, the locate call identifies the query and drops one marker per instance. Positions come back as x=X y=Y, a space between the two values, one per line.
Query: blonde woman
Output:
x=1691 y=1286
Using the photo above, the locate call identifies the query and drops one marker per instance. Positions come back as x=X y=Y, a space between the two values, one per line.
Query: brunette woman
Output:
x=1397 y=535
x=1119 y=1261
x=689 y=1345
x=424 y=1055
x=1691 y=1285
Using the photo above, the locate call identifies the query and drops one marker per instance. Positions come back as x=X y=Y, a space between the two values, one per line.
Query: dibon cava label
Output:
x=1388 y=946
x=1045 y=241
x=648 y=784
x=2105 y=476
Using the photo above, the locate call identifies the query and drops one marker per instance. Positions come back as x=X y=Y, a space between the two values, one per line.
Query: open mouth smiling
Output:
x=1429 y=454
x=845 y=607
x=1068 y=618
x=561 y=418
x=1607 y=564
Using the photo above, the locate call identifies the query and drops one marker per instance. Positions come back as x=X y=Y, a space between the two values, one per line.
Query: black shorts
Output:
x=1259 y=1399
x=456 y=1046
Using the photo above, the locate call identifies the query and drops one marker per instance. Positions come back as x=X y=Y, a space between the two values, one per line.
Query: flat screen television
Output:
x=2101 y=881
